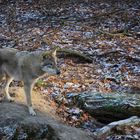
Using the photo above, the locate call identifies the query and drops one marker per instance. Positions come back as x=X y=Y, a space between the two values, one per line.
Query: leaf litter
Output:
x=106 y=31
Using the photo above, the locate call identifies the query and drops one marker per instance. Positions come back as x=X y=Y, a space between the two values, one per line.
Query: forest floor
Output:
x=107 y=31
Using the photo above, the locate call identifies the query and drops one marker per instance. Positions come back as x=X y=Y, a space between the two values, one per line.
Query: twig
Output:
x=108 y=13
x=110 y=52
x=111 y=34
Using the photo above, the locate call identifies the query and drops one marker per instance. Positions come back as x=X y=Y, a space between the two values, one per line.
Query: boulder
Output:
x=17 y=124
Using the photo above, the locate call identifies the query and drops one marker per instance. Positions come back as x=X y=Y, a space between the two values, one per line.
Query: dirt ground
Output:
x=38 y=100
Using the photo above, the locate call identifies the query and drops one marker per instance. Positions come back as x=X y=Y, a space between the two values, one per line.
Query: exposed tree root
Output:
x=63 y=53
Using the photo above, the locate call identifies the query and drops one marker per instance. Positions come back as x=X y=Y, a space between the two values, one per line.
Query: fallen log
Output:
x=109 y=107
x=123 y=129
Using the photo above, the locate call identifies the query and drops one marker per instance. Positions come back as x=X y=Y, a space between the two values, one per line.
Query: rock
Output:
x=107 y=107
x=17 y=124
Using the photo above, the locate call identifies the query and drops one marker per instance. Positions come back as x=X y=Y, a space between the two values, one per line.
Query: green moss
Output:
x=116 y=109
x=40 y=83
